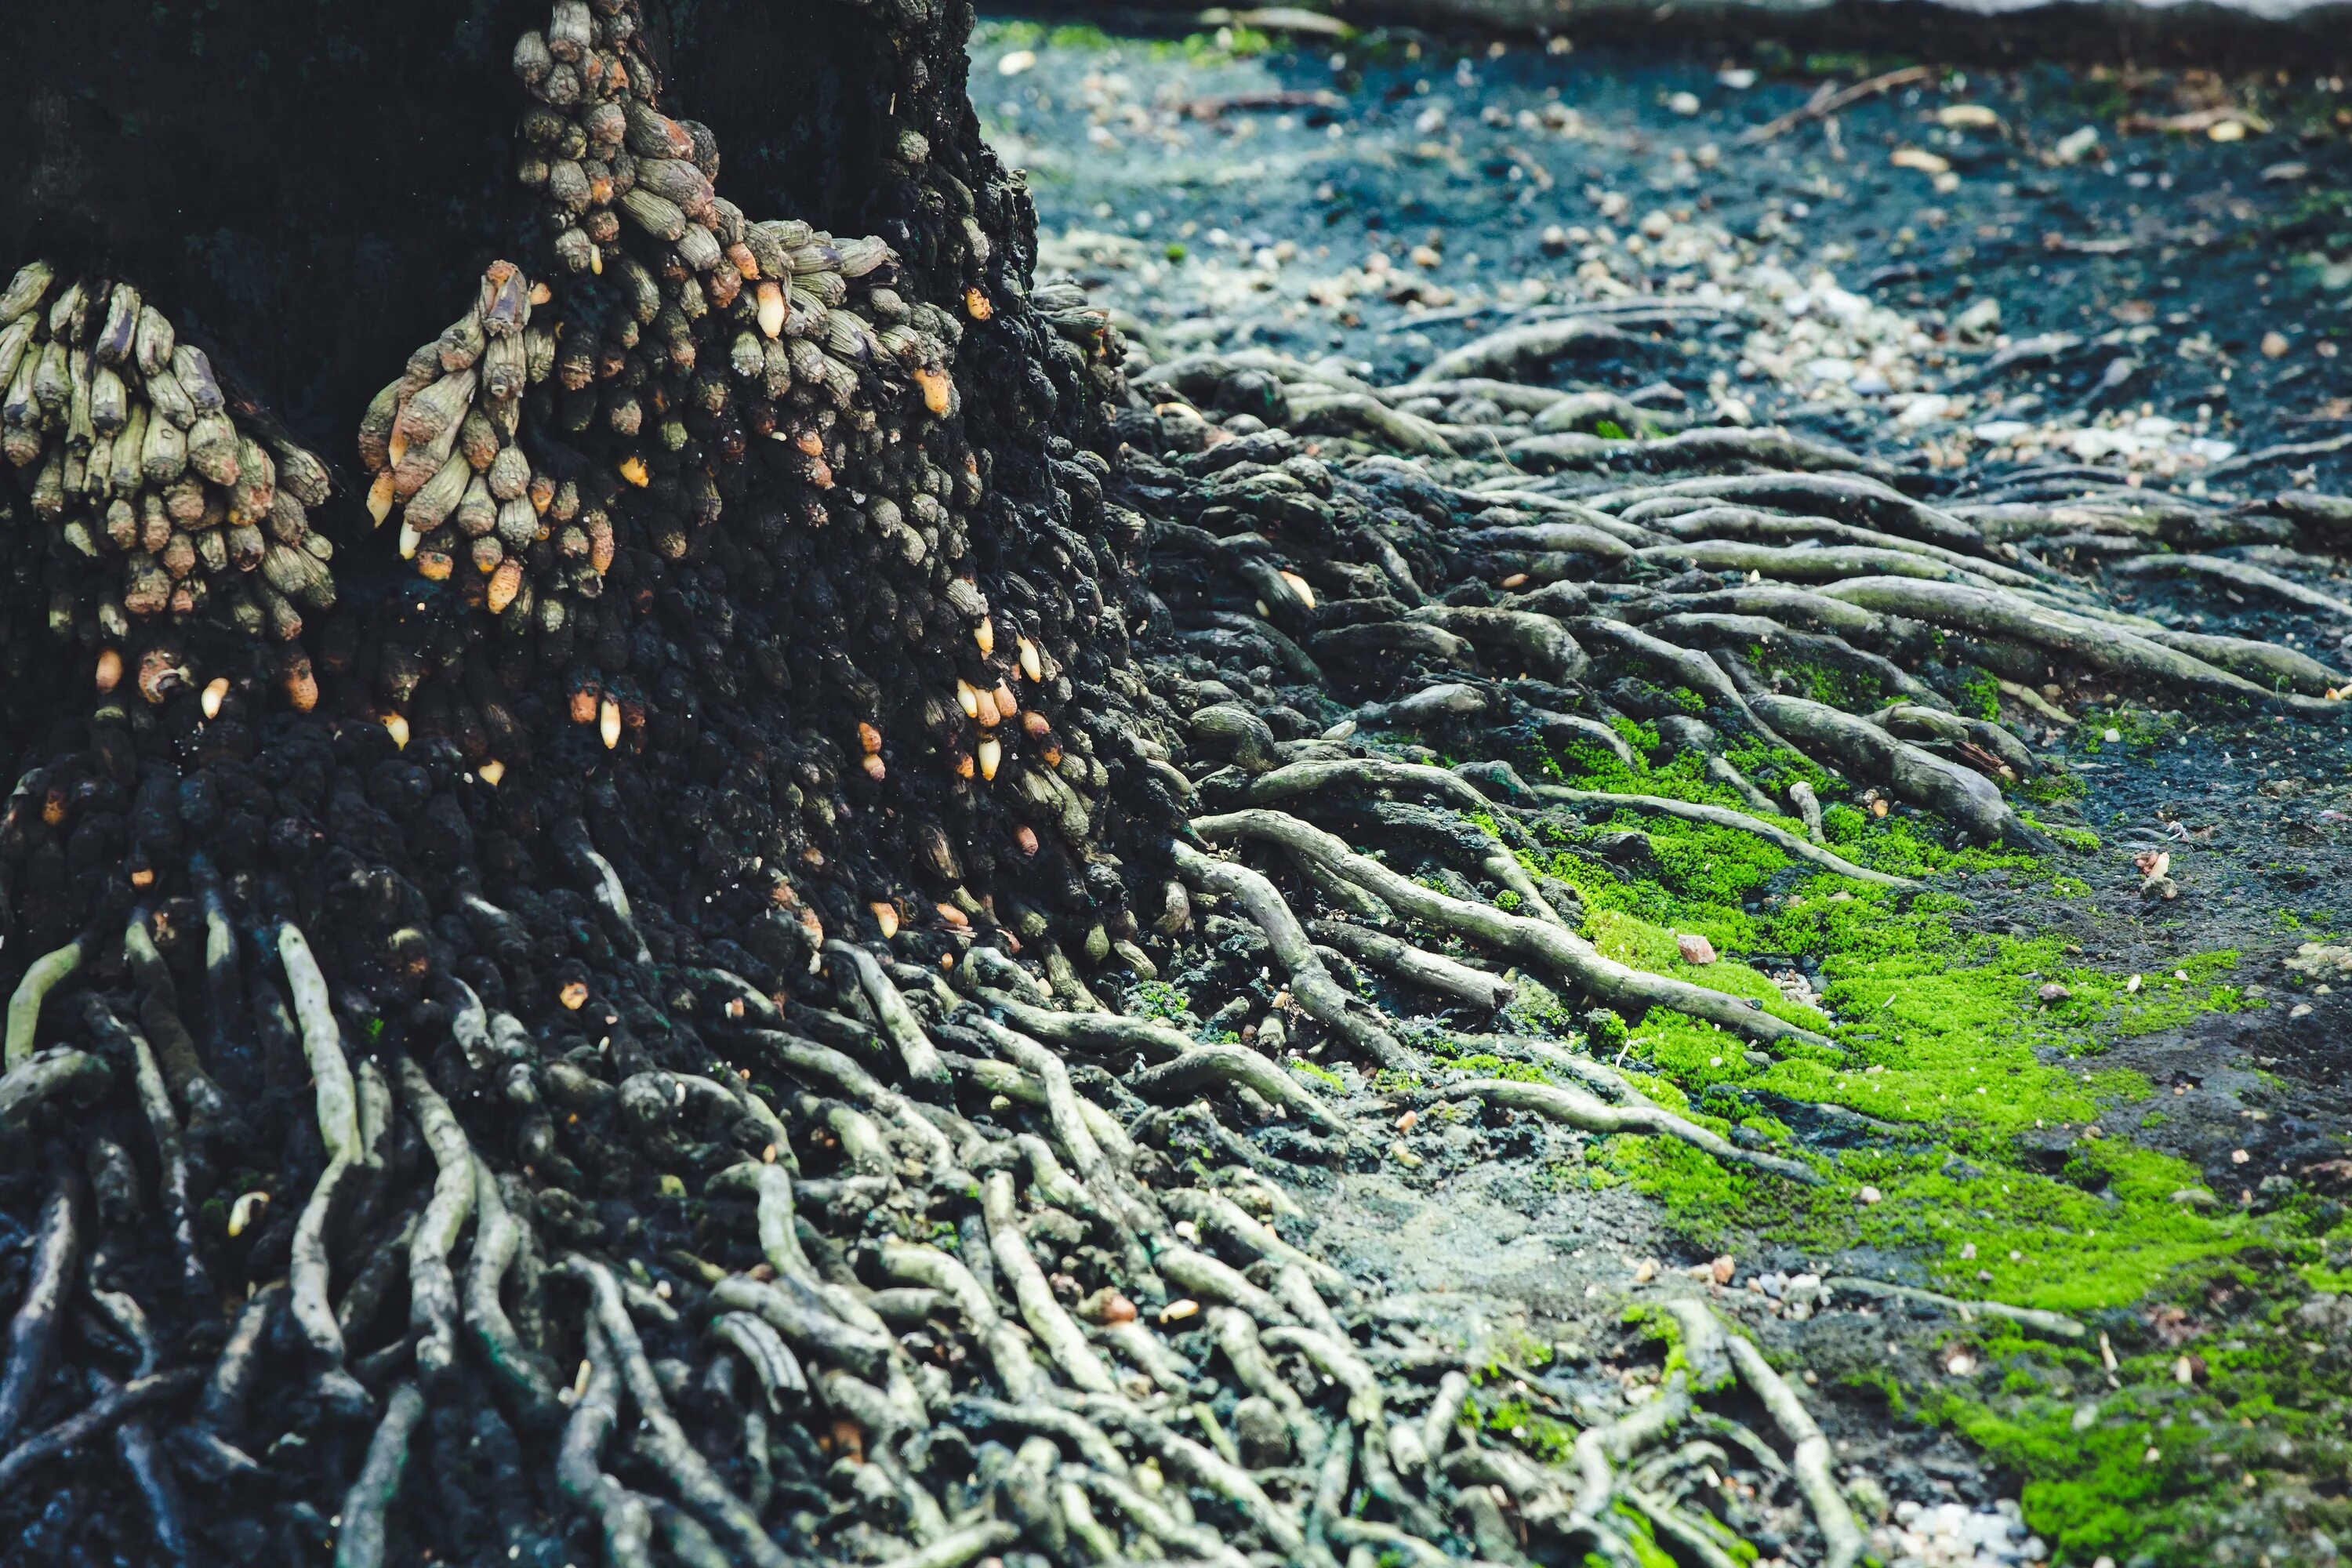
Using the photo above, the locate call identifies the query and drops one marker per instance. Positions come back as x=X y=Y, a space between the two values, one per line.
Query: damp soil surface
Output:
x=2133 y=279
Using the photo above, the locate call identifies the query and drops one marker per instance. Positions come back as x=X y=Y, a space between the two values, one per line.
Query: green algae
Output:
x=1966 y=1122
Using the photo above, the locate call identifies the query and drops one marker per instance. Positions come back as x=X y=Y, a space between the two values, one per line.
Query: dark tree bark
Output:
x=325 y=821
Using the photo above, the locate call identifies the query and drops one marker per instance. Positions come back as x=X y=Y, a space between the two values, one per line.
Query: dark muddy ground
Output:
x=1384 y=199
x=2052 y=275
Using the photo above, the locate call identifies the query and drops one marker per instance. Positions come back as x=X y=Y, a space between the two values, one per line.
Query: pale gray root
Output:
x=323 y=1048
x=1212 y=1211
x=1601 y=1449
x=1365 y=773
x=308 y=1278
x=41 y=976
x=1008 y=1352
x=1855 y=498
x=360 y=1538
x=983 y=966
x=1633 y=536
x=1694 y=670
x=811 y=1059
x=1587 y=1113
x=164 y=1125
x=689 y=1543
x=1238 y=1064
x=1096 y=1539
x=1718 y=630
x=1196 y=371
x=1238 y=1338
x=1145 y=1352
x=432 y=1284
x=1679 y=1528
x=622 y=1516
x=1063 y=975
x=2267 y=664
x=1056 y=1329
x=1046 y=1418
x=772 y=1188
x=1724 y=523
x=497 y=1237
x=1499 y=355
x=796 y=1311
x=1196 y=1272
x=1585 y=410
x=1295 y=660
x=1324 y=999
x=1334 y=1356
x=998 y=1077
x=2237 y=574
x=1860 y=749
x=1203 y=1467
x=1154 y=1520
x=1061 y=1099
x=763 y=1350
x=1389 y=1542
x=1779 y=837
x=1533 y=643
x=1563 y=953
x=1381 y=772
x=1817 y=564
x=2033 y=703
x=1097 y=1033
x=66 y=1075
x=2074 y=641
x=1809 y=809
x=1710 y=446
x=1706 y=1355
x=1784 y=606
x=1417 y=966
x=1545 y=539
x=1437 y=1423
x=659 y=1436
x=1720 y=769
x=1842 y=1536
x=898 y=1021
x=48 y=1286
x=605 y=888
x=1129 y=1218
x=1231 y=732
x=1597 y=1075
x=1514 y=396
x=2057 y=1325
x=1909 y=721
x=1357 y=414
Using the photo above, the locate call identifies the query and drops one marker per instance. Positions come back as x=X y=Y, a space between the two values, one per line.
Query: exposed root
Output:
x=1573 y=1108
x=1780 y=838
x=1811 y=1459
x=1567 y=956
x=1310 y=981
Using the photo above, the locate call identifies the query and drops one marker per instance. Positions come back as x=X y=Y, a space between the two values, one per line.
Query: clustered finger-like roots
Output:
x=632 y=1056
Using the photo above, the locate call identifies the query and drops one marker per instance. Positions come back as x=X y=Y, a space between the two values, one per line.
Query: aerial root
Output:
x=1780 y=838
x=1564 y=953
x=163 y=1126
x=1811 y=1458
x=1573 y=1107
x=1322 y=997
x=359 y=1541
x=33 y=1331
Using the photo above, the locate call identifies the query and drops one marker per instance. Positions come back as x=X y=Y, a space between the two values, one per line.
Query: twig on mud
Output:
x=1826 y=102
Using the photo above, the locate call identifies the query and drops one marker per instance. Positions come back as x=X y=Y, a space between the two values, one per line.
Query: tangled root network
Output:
x=607 y=1034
